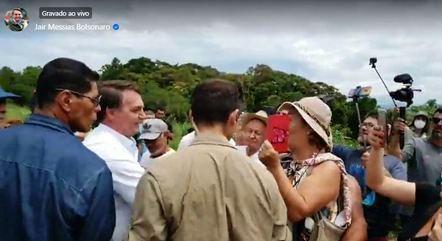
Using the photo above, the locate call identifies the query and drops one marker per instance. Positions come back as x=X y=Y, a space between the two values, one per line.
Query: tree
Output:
x=173 y=84
x=112 y=71
x=141 y=65
x=429 y=108
x=7 y=78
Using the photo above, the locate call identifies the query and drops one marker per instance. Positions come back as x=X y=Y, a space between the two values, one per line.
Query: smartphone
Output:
x=278 y=132
x=360 y=92
x=382 y=122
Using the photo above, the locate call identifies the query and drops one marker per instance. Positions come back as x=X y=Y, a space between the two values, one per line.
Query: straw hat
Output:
x=315 y=113
x=260 y=115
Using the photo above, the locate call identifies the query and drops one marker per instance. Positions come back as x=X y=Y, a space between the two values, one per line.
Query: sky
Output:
x=327 y=41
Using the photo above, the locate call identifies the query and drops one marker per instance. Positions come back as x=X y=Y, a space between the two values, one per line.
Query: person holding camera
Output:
x=423 y=155
x=425 y=223
x=379 y=213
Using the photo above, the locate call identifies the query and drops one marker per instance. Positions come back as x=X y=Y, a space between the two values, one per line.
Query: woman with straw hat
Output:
x=314 y=183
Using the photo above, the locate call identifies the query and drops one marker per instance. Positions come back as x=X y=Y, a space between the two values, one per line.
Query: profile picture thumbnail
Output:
x=16 y=19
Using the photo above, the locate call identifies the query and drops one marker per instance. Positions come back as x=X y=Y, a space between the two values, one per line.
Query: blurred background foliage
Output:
x=170 y=86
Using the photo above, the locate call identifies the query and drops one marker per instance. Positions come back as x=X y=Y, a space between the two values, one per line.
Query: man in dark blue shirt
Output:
x=51 y=186
x=378 y=211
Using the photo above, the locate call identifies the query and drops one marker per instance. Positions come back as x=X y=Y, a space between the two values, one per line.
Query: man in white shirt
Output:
x=254 y=127
x=120 y=116
x=154 y=135
x=187 y=140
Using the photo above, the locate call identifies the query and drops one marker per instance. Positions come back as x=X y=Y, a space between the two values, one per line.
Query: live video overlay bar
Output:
x=65 y=12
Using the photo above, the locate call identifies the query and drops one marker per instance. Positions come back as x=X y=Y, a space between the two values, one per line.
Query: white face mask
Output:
x=419 y=124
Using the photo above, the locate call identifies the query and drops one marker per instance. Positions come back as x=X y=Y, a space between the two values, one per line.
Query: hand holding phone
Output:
x=268 y=155
x=382 y=123
x=278 y=132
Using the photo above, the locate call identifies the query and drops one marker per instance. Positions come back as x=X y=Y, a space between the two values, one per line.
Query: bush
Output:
x=16 y=112
x=341 y=136
x=179 y=130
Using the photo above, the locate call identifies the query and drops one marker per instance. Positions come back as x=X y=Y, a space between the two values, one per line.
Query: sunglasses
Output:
x=95 y=101
x=437 y=120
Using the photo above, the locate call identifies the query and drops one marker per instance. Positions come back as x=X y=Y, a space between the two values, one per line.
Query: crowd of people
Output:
x=91 y=163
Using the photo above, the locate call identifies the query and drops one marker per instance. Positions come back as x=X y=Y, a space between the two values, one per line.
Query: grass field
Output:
x=14 y=112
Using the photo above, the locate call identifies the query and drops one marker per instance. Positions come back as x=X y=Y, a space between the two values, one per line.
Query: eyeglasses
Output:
x=95 y=101
x=437 y=120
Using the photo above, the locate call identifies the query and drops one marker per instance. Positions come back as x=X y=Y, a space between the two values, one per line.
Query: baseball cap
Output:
x=152 y=129
x=7 y=95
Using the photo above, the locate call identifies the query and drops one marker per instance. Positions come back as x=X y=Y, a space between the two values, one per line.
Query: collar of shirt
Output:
x=49 y=122
x=129 y=143
x=168 y=152
x=212 y=139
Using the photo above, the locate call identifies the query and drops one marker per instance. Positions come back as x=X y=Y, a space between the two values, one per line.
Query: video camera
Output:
x=405 y=94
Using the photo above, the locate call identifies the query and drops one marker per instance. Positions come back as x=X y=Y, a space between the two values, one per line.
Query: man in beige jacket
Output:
x=210 y=190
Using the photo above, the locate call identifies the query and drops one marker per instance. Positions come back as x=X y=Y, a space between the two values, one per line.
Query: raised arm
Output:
x=400 y=191
x=304 y=201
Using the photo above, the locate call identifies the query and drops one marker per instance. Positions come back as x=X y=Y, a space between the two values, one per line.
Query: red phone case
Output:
x=278 y=132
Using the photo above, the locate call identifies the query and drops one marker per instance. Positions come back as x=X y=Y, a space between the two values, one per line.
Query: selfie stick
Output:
x=356 y=101
x=373 y=65
x=402 y=115
x=401 y=109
